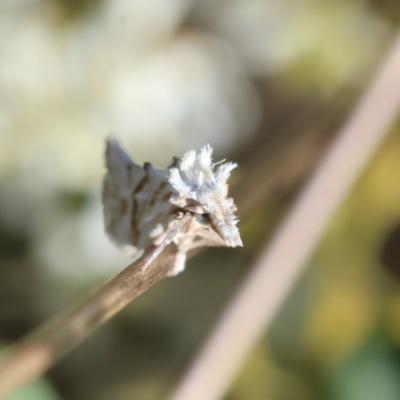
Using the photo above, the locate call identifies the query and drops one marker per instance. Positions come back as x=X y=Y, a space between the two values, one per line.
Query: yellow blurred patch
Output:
x=262 y=378
x=391 y=318
x=340 y=320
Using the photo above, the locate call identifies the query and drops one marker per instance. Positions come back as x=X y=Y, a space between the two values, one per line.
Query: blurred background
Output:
x=267 y=83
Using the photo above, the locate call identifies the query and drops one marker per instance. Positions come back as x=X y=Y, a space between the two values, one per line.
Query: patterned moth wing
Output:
x=136 y=202
x=142 y=205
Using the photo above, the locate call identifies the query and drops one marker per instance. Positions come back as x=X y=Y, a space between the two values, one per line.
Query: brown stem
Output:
x=255 y=305
x=41 y=349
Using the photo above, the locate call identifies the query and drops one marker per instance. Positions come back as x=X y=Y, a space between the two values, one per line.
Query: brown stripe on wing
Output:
x=161 y=195
x=116 y=214
x=134 y=235
x=166 y=196
x=154 y=198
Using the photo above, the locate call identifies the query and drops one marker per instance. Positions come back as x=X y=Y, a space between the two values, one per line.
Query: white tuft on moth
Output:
x=186 y=203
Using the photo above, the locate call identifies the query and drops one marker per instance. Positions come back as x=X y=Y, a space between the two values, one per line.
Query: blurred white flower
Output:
x=120 y=70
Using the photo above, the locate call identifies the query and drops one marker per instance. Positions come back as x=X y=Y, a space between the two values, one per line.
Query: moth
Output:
x=187 y=203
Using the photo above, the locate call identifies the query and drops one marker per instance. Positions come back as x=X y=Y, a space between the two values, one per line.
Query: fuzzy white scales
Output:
x=142 y=205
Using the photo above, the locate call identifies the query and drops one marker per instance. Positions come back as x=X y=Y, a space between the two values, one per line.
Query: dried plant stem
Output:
x=41 y=349
x=255 y=305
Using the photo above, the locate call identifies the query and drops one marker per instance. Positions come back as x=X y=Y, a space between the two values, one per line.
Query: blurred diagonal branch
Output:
x=258 y=300
x=45 y=346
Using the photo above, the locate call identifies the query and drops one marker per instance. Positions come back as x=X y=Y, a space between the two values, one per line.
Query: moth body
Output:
x=141 y=204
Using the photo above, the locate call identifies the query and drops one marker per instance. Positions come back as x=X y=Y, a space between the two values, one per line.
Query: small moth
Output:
x=186 y=203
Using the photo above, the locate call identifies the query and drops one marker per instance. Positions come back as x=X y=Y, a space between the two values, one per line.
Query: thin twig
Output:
x=258 y=300
x=42 y=348
x=167 y=240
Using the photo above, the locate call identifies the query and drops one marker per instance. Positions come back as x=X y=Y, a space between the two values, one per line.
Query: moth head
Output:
x=201 y=188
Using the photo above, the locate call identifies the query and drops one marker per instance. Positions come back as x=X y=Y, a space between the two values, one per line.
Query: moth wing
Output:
x=119 y=183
